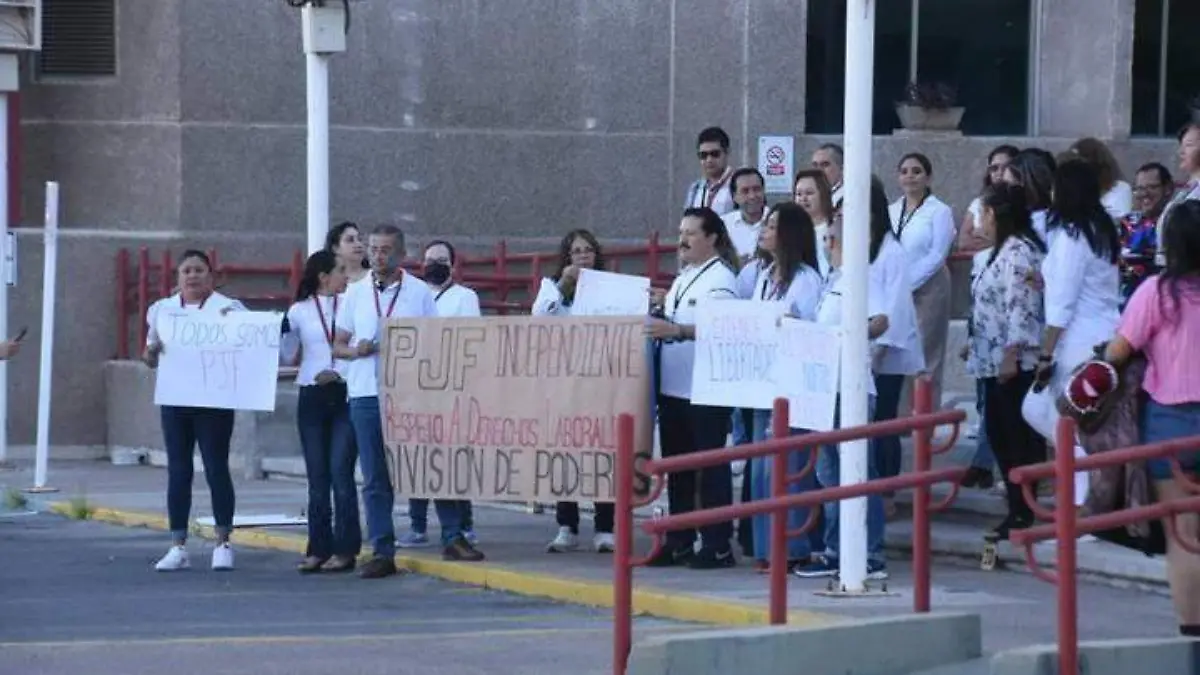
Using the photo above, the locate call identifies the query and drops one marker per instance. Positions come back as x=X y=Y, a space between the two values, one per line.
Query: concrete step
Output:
x=980 y=666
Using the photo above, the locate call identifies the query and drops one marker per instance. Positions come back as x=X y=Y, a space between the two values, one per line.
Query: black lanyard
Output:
x=680 y=294
x=905 y=221
x=442 y=292
x=778 y=290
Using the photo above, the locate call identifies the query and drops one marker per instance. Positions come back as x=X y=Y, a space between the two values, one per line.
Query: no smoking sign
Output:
x=776 y=162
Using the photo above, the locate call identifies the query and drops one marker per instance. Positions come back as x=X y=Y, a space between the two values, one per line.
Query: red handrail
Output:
x=778 y=505
x=1067 y=525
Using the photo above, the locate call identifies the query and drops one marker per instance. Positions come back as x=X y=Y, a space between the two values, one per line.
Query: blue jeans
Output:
x=798 y=548
x=377 y=495
x=329 y=455
x=183 y=429
x=984 y=457
x=828 y=467
x=1168 y=422
x=453 y=514
x=888 y=456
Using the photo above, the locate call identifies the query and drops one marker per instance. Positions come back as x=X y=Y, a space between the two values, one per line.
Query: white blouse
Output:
x=899 y=348
x=314 y=329
x=927 y=235
x=1082 y=296
x=800 y=298
x=829 y=313
x=214 y=303
x=747 y=278
x=456 y=300
x=1118 y=201
x=549 y=301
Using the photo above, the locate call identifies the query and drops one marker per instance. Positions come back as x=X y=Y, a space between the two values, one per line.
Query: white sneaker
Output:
x=222 y=558
x=564 y=542
x=175 y=559
x=603 y=542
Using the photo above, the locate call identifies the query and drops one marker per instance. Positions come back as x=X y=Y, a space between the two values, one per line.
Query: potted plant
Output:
x=929 y=107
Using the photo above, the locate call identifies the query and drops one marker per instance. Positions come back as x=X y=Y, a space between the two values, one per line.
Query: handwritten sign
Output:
x=214 y=361
x=736 y=346
x=511 y=408
x=609 y=294
x=807 y=372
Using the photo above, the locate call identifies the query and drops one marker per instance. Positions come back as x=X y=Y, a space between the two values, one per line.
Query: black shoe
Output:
x=671 y=556
x=712 y=559
x=1006 y=526
x=460 y=549
x=377 y=568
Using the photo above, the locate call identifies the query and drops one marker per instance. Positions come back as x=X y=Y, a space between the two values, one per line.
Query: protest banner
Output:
x=511 y=408
x=736 y=346
x=807 y=372
x=599 y=293
x=211 y=360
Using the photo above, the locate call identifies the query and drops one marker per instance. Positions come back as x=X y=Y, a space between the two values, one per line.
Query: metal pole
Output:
x=860 y=66
x=623 y=553
x=777 y=552
x=50 y=268
x=318 y=149
x=4 y=272
x=921 y=563
x=1064 y=525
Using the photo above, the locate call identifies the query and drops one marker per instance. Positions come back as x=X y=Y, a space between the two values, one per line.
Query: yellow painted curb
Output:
x=677 y=606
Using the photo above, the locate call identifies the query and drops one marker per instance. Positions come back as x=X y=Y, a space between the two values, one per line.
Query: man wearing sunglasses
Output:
x=712 y=190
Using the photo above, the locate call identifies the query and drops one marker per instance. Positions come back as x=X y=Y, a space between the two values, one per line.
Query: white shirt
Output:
x=1082 y=296
x=549 y=301
x=743 y=233
x=409 y=297
x=314 y=330
x=747 y=278
x=829 y=313
x=1118 y=201
x=456 y=300
x=699 y=194
x=698 y=283
x=801 y=296
x=212 y=305
x=1189 y=191
x=900 y=350
x=976 y=211
x=820 y=229
x=927 y=235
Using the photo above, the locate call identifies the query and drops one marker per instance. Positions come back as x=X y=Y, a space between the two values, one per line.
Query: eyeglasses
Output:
x=583 y=251
x=996 y=168
x=1147 y=188
x=713 y=154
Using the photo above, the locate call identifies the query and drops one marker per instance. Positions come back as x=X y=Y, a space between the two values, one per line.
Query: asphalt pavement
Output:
x=81 y=597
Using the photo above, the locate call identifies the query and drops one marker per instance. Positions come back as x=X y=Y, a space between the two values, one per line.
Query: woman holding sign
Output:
x=186 y=427
x=792 y=279
x=579 y=250
x=323 y=416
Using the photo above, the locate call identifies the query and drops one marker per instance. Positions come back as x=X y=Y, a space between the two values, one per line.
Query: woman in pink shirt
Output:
x=1162 y=320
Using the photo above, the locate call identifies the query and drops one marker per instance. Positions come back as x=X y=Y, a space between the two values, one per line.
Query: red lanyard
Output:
x=331 y=327
x=183 y=305
x=714 y=189
x=391 y=306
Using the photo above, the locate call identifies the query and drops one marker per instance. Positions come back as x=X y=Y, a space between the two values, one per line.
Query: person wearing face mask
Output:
x=452 y=299
x=385 y=293
x=579 y=250
x=186 y=427
x=709 y=268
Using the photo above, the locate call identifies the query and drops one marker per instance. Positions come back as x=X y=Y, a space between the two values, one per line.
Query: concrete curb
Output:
x=1178 y=656
x=646 y=602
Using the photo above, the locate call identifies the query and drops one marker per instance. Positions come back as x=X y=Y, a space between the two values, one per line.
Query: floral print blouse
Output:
x=1007 y=310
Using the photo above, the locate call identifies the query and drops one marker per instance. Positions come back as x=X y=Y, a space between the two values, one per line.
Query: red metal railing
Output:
x=1067 y=526
x=780 y=502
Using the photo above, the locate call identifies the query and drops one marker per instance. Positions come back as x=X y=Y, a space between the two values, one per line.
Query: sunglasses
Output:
x=706 y=154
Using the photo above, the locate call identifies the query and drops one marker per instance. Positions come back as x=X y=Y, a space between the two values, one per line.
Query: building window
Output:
x=925 y=40
x=79 y=39
x=1166 y=65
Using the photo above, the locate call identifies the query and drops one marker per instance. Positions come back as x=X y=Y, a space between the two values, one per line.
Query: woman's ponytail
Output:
x=321 y=262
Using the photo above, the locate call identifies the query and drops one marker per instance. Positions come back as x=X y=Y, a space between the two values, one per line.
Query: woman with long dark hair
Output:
x=579 y=250
x=1162 y=321
x=1007 y=323
x=345 y=241
x=185 y=427
x=323 y=418
x=970 y=237
x=1033 y=169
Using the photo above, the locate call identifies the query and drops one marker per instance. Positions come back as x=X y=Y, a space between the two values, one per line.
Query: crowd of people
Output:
x=1062 y=245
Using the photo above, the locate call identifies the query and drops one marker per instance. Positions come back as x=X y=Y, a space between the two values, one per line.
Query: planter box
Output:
x=916 y=118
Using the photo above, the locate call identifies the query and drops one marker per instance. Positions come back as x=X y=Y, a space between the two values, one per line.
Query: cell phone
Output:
x=21 y=334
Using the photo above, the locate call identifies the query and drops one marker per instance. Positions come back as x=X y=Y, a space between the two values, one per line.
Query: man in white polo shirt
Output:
x=712 y=190
x=744 y=223
x=388 y=291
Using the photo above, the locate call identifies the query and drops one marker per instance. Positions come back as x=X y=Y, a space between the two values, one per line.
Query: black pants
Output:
x=212 y=429
x=685 y=428
x=1013 y=441
x=745 y=526
x=567 y=515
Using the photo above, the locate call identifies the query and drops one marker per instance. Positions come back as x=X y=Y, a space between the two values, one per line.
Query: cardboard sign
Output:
x=214 y=361
x=601 y=293
x=511 y=408
x=737 y=342
x=807 y=372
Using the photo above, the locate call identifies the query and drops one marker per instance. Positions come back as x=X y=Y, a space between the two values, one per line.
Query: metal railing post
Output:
x=923 y=461
x=1064 y=522
x=777 y=550
x=622 y=569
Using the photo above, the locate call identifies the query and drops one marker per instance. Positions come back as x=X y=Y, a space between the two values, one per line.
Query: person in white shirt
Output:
x=708 y=275
x=829 y=312
x=1116 y=194
x=744 y=222
x=452 y=299
x=579 y=250
x=828 y=159
x=1189 y=164
x=898 y=352
x=186 y=427
x=385 y=293
x=323 y=417
x=712 y=190
x=1082 y=291
x=970 y=234
x=792 y=279
x=811 y=191
x=345 y=241
x=925 y=227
